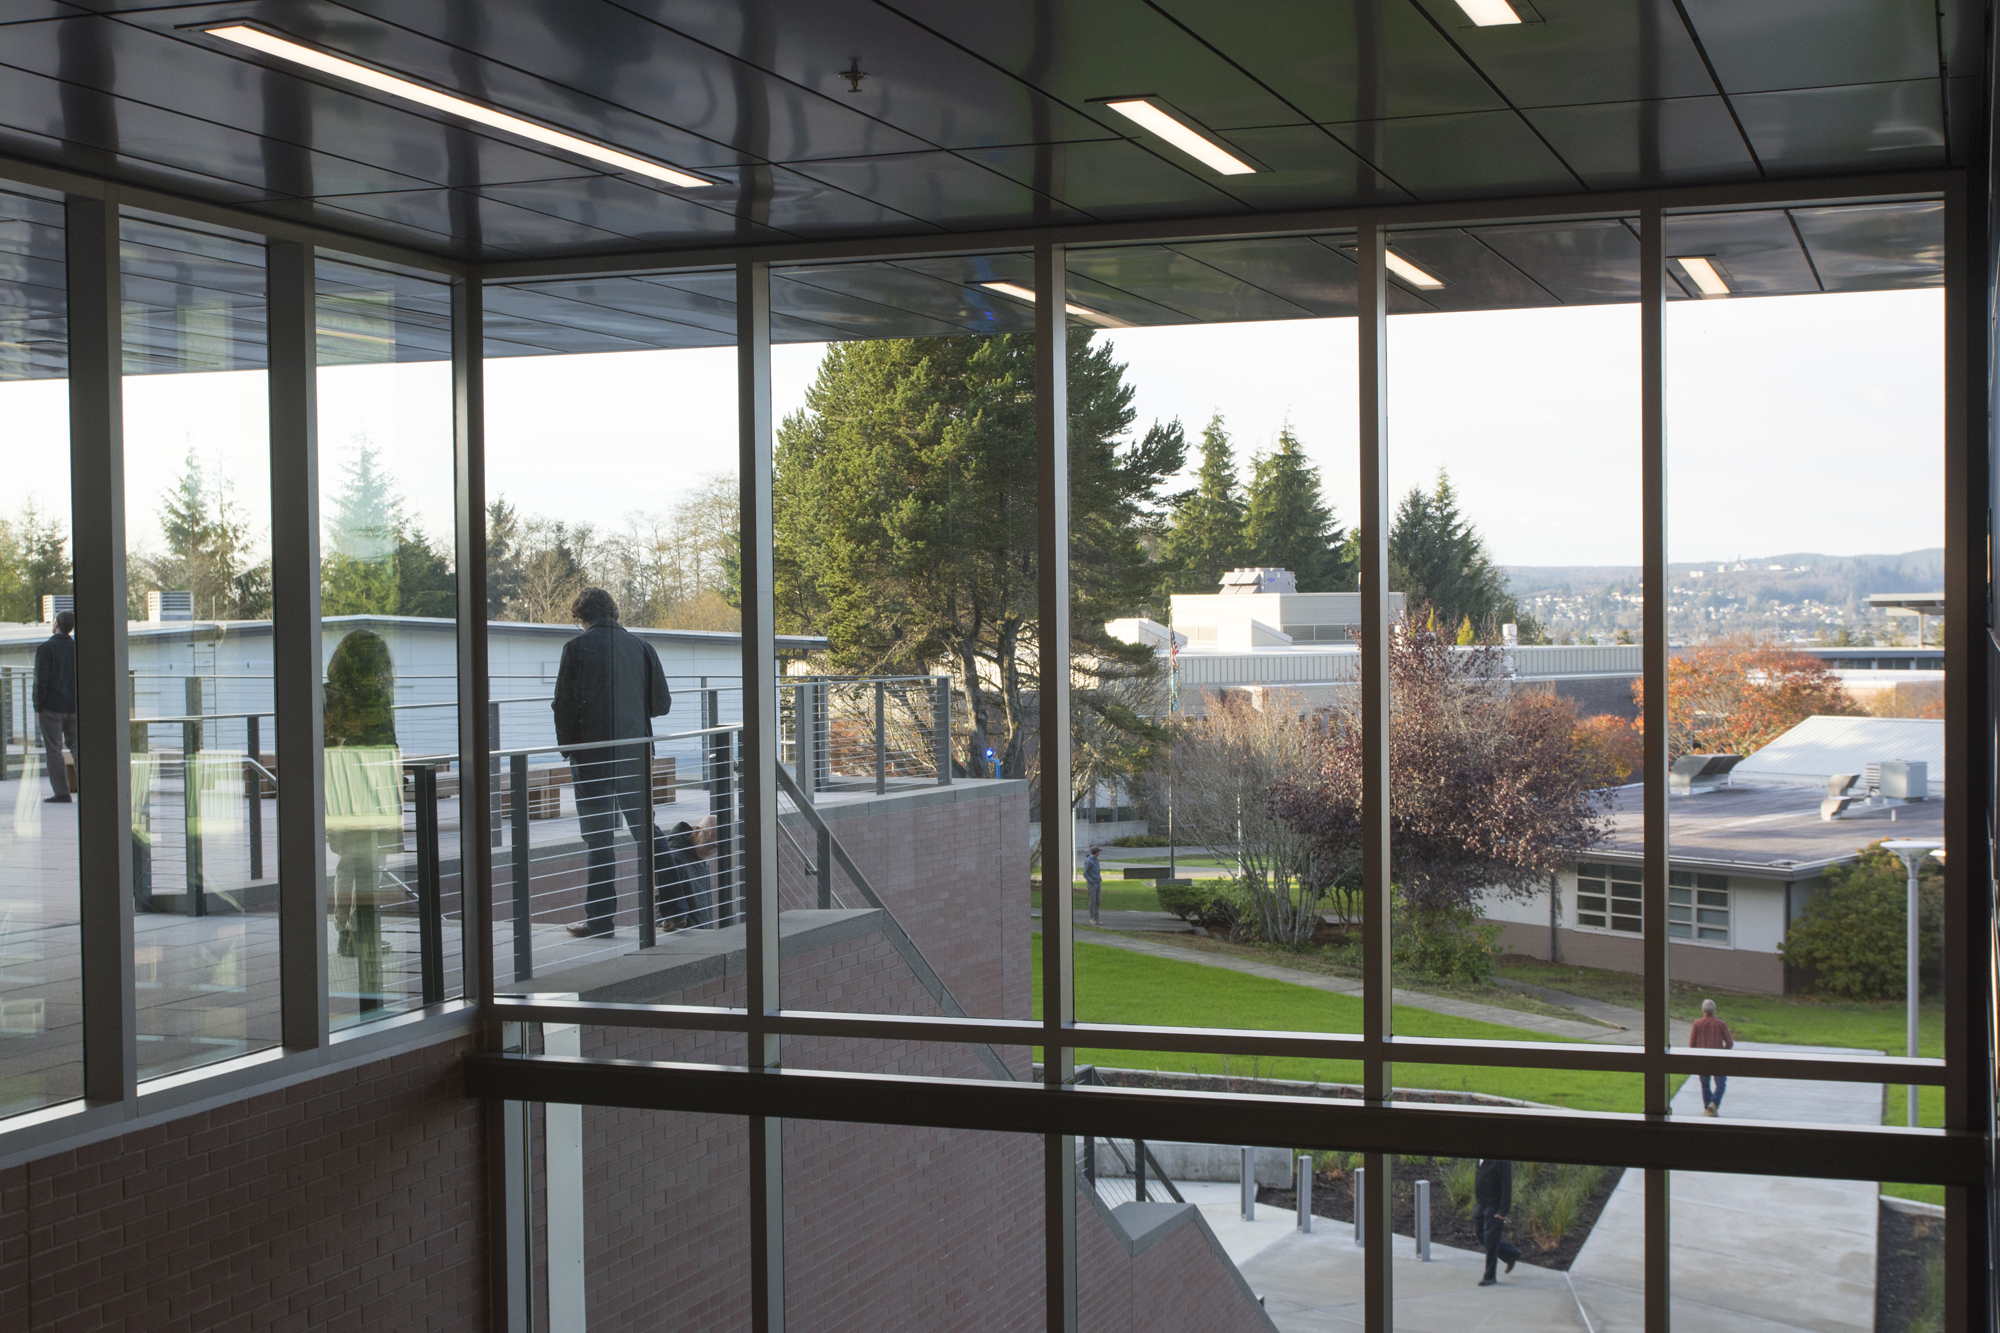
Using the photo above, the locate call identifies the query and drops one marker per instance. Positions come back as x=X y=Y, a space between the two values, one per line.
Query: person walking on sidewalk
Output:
x=1711 y=1034
x=1493 y=1199
x=1093 y=877
x=55 y=702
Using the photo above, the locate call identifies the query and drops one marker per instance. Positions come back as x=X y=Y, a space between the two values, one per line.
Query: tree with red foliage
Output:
x=1616 y=743
x=1489 y=788
x=1733 y=696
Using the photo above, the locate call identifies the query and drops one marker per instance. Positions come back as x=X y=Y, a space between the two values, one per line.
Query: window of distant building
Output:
x=1698 y=907
x=1608 y=897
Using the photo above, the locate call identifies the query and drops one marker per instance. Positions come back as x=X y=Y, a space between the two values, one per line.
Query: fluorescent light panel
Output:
x=1202 y=149
x=1489 y=13
x=1409 y=272
x=1020 y=293
x=1705 y=276
x=281 y=48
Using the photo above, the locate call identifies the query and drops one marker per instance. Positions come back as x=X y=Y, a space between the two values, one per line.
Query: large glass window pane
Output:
x=1805 y=699
x=611 y=466
x=41 y=1050
x=1514 y=533
x=389 y=631
x=906 y=554
x=198 y=570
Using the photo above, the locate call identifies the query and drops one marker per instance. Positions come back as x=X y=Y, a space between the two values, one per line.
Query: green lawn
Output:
x=1136 y=895
x=1116 y=986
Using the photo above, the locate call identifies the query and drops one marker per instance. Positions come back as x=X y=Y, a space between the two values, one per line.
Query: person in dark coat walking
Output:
x=55 y=702
x=1093 y=878
x=609 y=687
x=1493 y=1199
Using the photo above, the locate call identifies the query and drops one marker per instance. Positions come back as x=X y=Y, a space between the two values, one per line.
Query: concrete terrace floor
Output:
x=1750 y=1254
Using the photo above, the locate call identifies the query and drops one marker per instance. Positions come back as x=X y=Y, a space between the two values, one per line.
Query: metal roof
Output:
x=1765 y=832
x=1821 y=746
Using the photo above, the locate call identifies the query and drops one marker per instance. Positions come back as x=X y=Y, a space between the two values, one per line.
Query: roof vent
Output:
x=164 y=606
x=1244 y=582
x=1693 y=774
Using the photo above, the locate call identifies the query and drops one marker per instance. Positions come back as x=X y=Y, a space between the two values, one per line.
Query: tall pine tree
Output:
x=359 y=574
x=1207 y=538
x=1437 y=559
x=1290 y=524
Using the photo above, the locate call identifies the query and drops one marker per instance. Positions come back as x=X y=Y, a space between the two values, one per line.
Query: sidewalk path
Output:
x=1439 y=1004
x=1751 y=1254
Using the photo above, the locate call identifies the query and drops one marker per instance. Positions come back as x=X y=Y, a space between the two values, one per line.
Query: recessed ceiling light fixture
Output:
x=1084 y=312
x=283 y=48
x=1706 y=278
x=1409 y=272
x=1148 y=116
x=1489 y=13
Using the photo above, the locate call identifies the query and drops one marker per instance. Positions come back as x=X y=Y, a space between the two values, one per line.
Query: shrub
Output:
x=1212 y=904
x=1551 y=1197
x=1186 y=901
x=1451 y=944
x=1461 y=1181
x=1852 y=938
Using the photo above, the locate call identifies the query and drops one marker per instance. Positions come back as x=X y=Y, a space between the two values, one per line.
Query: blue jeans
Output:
x=1713 y=1098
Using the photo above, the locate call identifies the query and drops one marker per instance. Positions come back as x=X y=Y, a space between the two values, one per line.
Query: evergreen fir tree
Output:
x=359 y=571
x=1438 y=559
x=1290 y=524
x=1207 y=537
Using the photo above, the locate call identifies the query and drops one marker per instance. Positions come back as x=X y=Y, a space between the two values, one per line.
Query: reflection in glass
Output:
x=41 y=1051
x=389 y=635
x=205 y=767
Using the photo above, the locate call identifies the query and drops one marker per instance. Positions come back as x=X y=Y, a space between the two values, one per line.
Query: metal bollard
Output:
x=1423 y=1219
x=1249 y=1184
x=1305 y=1177
x=1360 y=1204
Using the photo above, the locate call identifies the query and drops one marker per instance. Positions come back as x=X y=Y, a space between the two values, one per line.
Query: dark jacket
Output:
x=1494 y=1187
x=610 y=685
x=55 y=675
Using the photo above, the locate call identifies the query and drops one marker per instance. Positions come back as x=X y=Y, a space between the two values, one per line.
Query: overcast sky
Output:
x=1806 y=423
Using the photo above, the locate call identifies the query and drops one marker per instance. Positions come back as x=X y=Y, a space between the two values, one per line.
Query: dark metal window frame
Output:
x=115 y=1102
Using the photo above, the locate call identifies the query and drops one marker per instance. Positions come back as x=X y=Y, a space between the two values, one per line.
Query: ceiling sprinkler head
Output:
x=854 y=75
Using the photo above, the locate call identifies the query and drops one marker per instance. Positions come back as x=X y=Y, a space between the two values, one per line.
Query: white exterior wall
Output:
x=1756 y=914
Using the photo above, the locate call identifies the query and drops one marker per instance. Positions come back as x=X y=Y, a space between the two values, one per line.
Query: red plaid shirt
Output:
x=1711 y=1034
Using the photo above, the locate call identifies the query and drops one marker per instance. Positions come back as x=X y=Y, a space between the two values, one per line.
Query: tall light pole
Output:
x=1912 y=851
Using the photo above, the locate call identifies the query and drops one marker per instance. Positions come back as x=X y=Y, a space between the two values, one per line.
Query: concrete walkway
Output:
x=1751 y=1254
x=1439 y=1004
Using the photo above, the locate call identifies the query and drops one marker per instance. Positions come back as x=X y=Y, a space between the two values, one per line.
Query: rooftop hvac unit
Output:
x=1693 y=774
x=165 y=606
x=1244 y=582
x=1901 y=779
x=54 y=602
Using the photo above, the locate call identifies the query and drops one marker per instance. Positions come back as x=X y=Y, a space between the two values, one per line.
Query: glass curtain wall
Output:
x=1517 y=817
x=41 y=1045
x=905 y=528
x=389 y=631
x=1805 y=702
x=197 y=500
x=613 y=636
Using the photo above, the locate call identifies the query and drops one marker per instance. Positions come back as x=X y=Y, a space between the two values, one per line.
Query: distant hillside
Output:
x=1799 y=594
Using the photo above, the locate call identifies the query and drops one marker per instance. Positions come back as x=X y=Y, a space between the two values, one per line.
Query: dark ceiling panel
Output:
x=605 y=314
x=1588 y=262
x=486 y=222
x=941 y=188
x=615 y=204
x=1878 y=126
x=1112 y=179
x=1456 y=157
x=781 y=198
x=651 y=90
x=968 y=308
x=1105 y=48
x=1624 y=145
x=1317 y=278
x=1811 y=43
x=1341 y=60
x=34 y=11
x=915 y=82
x=1181 y=282
x=1757 y=253
x=1307 y=168
x=1583 y=51
x=853 y=316
x=240 y=98
x=1474 y=277
x=1965 y=128
x=1875 y=247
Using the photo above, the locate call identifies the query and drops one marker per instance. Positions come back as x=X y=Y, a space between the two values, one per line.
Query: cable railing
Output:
x=1120 y=1170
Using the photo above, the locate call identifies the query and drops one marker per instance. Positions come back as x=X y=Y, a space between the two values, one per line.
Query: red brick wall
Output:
x=355 y=1201
x=1178 y=1282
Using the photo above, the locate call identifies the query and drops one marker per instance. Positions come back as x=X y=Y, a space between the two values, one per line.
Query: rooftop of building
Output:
x=1766 y=832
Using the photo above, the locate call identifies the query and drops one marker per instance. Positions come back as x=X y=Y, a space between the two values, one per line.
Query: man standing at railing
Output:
x=610 y=687
x=55 y=701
